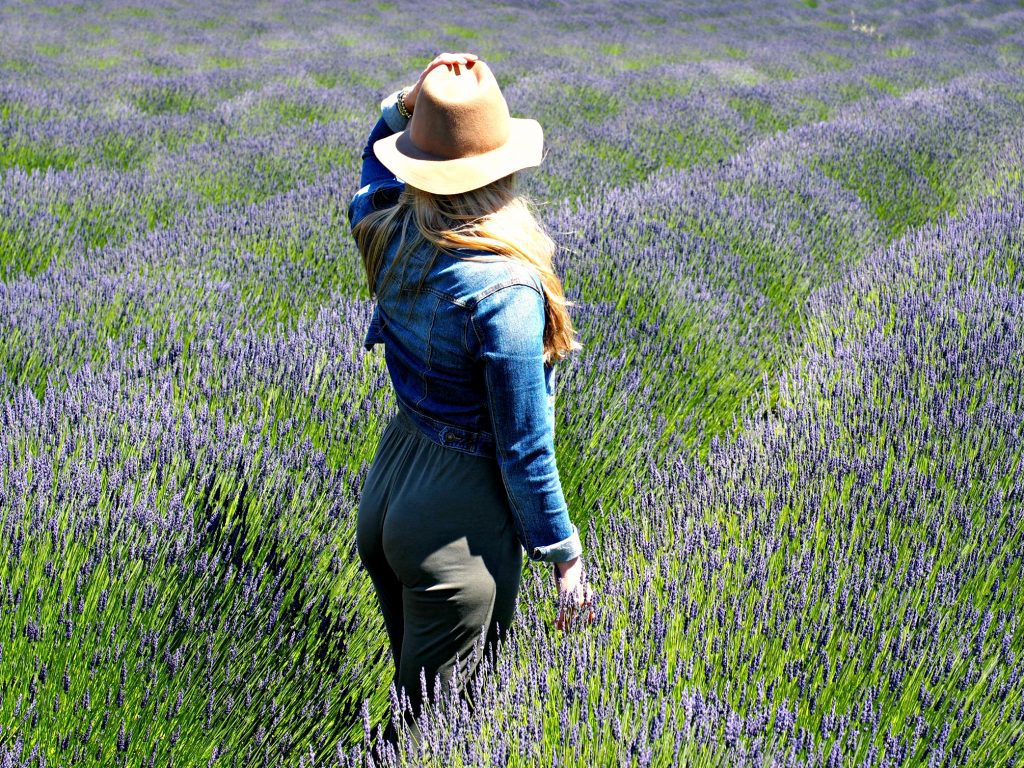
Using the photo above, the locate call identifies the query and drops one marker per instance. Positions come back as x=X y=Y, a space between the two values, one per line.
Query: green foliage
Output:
x=456 y=31
x=169 y=99
x=882 y=84
x=759 y=111
x=829 y=62
x=899 y=51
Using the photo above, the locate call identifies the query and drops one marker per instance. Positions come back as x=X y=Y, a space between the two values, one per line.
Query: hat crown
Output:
x=460 y=136
x=459 y=115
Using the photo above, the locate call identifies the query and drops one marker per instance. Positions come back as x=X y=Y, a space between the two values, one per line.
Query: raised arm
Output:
x=378 y=187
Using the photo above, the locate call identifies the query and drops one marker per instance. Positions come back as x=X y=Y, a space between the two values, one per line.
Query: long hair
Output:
x=494 y=218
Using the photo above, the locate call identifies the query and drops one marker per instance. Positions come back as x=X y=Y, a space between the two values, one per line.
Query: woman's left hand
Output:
x=448 y=59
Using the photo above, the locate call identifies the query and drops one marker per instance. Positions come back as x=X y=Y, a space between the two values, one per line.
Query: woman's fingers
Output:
x=453 y=59
x=461 y=56
x=567 y=619
x=571 y=605
x=450 y=60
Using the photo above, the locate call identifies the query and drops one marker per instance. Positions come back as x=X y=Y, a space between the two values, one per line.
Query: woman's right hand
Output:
x=448 y=59
x=575 y=597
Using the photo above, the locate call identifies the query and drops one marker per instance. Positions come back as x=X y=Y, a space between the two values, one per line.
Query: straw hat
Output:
x=460 y=136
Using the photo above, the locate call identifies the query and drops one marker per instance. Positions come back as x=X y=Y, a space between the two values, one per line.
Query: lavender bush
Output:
x=794 y=236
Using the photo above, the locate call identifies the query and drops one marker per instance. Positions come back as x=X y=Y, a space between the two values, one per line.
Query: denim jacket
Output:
x=464 y=350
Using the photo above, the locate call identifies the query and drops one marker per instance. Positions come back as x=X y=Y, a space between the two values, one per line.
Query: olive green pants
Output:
x=435 y=532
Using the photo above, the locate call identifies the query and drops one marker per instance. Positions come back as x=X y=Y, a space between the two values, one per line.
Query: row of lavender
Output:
x=186 y=412
x=259 y=491
x=840 y=583
x=176 y=123
x=715 y=266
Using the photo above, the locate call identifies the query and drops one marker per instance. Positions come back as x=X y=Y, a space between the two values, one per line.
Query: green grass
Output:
x=129 y=12
x=30 y=157
x=287 y=112
x=248 y=534
x=656 y=89
x=26 y=250
x=455 y=30
x=899 y=51
x=759 y=112
x=825 y=61
x=224 y=62
x=169 y=99
x=50 y=50
x=16 y=65
x=778 y=71
x=98 y=62
x=337 y=78
x=280 y=44
x=306 y=269
x=1010 y=53
x=893 y=189
x=882 y=84
x=268 y=175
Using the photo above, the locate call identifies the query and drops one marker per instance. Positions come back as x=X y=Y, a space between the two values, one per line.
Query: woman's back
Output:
x=429 y=322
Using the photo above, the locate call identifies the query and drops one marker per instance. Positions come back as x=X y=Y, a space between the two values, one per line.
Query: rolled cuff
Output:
x=389 y=111
x=560 y=551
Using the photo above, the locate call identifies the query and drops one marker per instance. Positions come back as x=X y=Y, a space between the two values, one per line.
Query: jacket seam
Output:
x=446 y=296
x=476 y=331
x=465 y=332
x=507 y=283
x=426 y=360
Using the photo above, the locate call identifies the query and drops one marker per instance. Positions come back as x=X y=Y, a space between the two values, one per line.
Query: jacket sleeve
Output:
x=378 y=187
x=509 y=327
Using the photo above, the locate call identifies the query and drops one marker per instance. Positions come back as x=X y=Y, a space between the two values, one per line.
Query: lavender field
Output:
x=794 y=439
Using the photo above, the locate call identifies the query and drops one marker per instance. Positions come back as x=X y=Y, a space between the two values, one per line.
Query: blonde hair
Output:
x=493 y=218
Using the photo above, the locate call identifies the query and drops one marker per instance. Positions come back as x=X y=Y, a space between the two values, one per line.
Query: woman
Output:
x=472 y=319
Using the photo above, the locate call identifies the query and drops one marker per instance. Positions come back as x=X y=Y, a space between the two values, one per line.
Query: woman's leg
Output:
x=449 y=537
x=373 y=504
x=445 y=615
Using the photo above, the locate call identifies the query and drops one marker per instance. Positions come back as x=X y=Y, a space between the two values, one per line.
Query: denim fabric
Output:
x=463 y=343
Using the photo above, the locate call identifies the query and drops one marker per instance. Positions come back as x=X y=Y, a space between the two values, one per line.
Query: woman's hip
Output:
x=436 y=506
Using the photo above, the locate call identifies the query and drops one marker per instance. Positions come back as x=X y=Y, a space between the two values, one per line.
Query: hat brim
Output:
x=524 y=149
